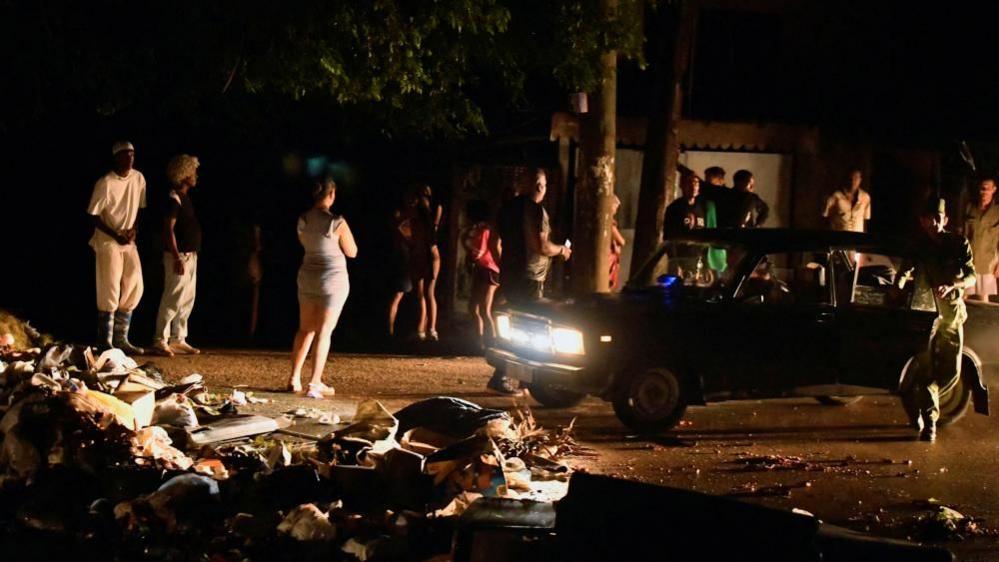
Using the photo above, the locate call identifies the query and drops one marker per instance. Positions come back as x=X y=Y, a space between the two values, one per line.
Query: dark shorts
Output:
x=483 y=276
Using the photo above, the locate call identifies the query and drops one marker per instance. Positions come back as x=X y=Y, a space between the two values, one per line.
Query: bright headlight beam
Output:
x=567 y=340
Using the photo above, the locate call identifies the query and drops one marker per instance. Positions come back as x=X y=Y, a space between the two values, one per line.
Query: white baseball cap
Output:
x=121 y=145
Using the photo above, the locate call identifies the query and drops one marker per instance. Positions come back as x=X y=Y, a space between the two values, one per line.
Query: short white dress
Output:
x=323 y=275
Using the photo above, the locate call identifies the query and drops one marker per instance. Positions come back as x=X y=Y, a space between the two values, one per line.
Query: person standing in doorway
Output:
x=323 y=286
x=753 y=211
x=981 y=227
x=525 y=253
x=686 y=213
x=849 y=208
x=181 y=244
x=114 y=207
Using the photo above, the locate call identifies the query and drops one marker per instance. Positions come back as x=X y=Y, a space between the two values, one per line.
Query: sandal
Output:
x=319 y=391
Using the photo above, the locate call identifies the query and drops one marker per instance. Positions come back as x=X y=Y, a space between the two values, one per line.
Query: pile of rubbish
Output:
x=102 y=457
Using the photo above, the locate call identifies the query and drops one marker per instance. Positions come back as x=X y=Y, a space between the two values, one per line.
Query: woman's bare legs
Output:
x=322 y=348
x=393 y=311
x=307 y=322
x=477 y=306
x=421 y=324
x=487 y=302
x=435 y=267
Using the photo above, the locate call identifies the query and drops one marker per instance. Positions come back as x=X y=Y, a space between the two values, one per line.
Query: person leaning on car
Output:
x=981 y=227
x=945 y=266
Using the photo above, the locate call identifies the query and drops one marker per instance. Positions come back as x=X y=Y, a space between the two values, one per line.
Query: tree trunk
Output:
x=662 y=143
x=598 y=142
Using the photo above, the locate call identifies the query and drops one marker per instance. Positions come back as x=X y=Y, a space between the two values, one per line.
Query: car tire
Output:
x=554 y=396
x=651 y=400
x=953 y=405
x=838 y=400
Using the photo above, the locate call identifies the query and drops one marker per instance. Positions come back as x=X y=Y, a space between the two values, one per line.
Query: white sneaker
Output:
x=161 y=348
x=184 y=348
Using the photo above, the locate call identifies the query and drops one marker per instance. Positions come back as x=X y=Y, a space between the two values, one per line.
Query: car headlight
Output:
x=503 y=326
x=567 y=340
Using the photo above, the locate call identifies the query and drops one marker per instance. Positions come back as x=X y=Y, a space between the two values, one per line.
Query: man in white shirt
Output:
x=849 y=208
x=114 y=206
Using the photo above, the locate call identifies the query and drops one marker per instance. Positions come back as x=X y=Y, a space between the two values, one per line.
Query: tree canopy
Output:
x=412 y=66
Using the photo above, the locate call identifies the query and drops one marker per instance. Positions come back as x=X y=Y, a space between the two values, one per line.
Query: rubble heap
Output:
x=105 y=456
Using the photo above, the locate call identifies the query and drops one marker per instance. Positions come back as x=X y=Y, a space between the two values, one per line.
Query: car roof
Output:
x=776 y=239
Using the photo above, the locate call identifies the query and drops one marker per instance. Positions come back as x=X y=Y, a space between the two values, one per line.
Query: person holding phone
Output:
x=525 y=253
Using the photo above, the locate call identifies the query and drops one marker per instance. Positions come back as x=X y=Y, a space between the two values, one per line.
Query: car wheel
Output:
x=554 y=396
x=953 y=404
x=838 y=400
x=652 y=400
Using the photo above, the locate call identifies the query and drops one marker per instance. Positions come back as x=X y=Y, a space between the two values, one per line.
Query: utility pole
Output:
x=662 y=142
x=598 y=143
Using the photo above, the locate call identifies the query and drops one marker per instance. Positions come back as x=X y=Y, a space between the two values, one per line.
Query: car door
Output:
x=786 y=315
x=879 y=330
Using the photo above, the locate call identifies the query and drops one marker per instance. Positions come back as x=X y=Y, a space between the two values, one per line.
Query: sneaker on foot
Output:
x=184 y=348
x=504 y=385
x=434 y=336
x=161 y=348
x=422 y=336
x=928 y=434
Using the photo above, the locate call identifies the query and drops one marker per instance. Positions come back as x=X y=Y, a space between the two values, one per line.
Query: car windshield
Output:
x=709 y=267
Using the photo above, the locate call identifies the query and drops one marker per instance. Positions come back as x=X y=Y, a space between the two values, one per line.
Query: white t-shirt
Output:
x=117 y=201
x=843 y=214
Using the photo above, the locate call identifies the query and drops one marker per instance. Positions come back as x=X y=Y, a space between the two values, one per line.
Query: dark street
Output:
x=859 y=466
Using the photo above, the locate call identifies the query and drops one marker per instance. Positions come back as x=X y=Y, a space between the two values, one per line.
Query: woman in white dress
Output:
x=323 y=285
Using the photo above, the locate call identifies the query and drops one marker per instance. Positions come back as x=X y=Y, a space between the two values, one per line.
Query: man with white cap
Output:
x=114 y=206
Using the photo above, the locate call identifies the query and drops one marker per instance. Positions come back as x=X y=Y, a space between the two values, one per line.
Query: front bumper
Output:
x=571 y=377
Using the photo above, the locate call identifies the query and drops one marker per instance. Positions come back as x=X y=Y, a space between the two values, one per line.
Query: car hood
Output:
x=598 y=309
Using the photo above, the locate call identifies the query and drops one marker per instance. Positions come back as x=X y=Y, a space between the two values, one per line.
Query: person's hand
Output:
x=178 y=265
x=122 y=238
x=130 y=234
x=566 y=253
x=944 y=290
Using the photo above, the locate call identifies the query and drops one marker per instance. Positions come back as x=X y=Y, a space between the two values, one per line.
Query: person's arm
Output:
x=169 y=222
x=117 y=236
x=347 y=242
x=537 y=237
x=300 y=230
x=438 y=214
x=495 y=245
x=762 y=211
x=966 y=276
x=618 y=238
x=828 y=210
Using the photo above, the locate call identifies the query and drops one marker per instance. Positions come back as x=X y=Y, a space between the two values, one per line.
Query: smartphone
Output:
x=568 y=243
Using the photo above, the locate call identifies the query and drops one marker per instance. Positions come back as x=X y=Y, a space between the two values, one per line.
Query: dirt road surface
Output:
x=857 y=466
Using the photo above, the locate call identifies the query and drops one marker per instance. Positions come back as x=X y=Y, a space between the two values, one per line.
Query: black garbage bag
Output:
x=449 y=416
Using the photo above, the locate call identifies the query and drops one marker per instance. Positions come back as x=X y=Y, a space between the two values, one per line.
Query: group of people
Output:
x=715 y=205
x=417 y=262
x=114 y=208
x=323 y=284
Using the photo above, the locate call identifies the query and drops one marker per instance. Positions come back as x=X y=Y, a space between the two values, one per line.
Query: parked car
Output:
x=742 y=314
